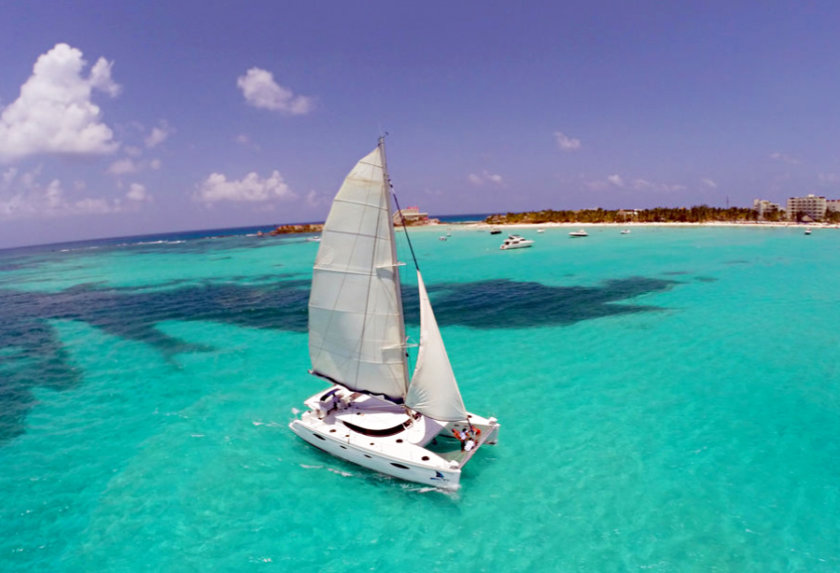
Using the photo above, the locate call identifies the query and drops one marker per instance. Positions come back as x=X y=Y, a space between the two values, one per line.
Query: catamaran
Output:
x=373 y=414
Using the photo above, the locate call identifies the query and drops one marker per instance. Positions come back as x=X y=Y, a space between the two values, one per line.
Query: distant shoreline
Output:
x=738 y=224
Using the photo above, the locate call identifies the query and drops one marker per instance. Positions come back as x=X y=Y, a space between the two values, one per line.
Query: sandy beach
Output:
x=482 y=226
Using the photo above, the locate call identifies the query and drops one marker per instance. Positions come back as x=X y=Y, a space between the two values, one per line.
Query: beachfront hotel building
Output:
x=811 y=205
x=764 y=207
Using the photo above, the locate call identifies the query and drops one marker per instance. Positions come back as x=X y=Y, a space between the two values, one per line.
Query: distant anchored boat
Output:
x=580 y=233
x=516 y=242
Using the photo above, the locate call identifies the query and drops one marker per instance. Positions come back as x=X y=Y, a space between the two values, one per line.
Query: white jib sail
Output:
x=433 y=390
x=356 y=328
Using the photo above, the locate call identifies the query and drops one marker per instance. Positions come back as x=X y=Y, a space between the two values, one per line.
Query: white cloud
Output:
x=260 y=90
x=313 y=199
x=565 y=142
x=54 y=113
x=252 y=188
x=90 y=206
x=785 y=158
x=155 y=164
x=709 y=183
x=24 y=197
x=485 y=177
x=159 y=134
x=137 y=192
x=9 y=175
x=616 y=180
x=123 y=166
x=245 y=141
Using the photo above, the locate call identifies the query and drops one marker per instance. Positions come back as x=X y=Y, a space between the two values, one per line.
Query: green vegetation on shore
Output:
x=697 y=214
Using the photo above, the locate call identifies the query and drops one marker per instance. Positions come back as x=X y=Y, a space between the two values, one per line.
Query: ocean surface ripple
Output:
x=669 y=400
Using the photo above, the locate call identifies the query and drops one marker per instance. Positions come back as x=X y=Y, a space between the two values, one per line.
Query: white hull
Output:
x=380 y=436
x=516 y=242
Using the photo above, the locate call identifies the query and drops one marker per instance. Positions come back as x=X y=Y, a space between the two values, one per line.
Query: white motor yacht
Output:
x=516 y=242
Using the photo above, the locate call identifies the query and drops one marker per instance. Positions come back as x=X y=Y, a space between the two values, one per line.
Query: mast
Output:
x=397 y=285
x=356 y=323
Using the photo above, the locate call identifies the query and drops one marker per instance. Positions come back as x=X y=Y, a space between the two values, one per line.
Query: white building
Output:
x=765 y=207
x=811 y=205
x=412 y=216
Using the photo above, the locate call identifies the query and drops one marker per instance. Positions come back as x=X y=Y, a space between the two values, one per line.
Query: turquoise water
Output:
x=669 y=400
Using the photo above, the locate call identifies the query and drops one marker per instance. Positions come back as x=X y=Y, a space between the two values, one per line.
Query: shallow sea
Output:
x=669 y=400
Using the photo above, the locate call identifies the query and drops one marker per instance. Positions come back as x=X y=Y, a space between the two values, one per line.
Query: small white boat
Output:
x=580 y=233
x=516 y=242
x=495 y=231
x=540 y=230
x=625 y=231
x=442 y=238
x=314 y=239
x=374 y=414
x=807 y=231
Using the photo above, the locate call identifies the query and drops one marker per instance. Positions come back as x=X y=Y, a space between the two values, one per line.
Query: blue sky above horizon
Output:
x=124 y=118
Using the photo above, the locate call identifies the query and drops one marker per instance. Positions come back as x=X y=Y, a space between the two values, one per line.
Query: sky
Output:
x=130 y=118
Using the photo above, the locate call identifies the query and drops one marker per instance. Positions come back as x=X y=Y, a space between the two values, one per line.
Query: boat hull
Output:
x=401 y=454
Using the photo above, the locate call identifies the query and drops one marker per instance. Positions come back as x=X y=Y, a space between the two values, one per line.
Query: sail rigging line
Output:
x=404 y=226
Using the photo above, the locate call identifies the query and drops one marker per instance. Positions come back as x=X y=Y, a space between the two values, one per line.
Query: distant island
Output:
x=697 y=214
x=293 y=229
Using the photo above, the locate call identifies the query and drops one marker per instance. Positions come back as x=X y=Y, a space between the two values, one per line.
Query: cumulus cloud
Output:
x=260 y=90
x=9 y=175
x=615 y=180
x=252 y=188
x=485 y=177
x=123 y=166
x=785 y=158
x=137 y=192
x=54 y=112
x=565 y=142
x=22 y=196
x=159 y=134
x=246 y=141
x=645 y=185
x=313 y=199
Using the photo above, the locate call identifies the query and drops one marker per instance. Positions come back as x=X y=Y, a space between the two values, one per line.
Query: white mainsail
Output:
x=356 y=327
x=433 y=390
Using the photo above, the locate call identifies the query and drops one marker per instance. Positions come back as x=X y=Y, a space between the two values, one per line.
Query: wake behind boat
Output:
x=373 y=415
